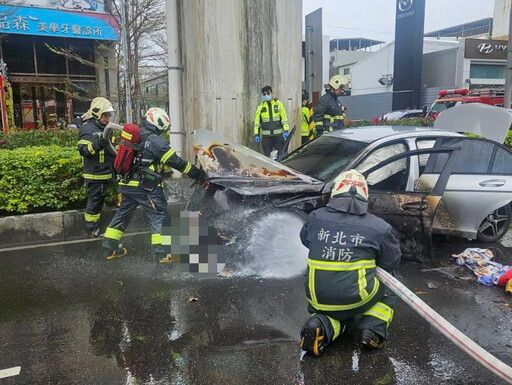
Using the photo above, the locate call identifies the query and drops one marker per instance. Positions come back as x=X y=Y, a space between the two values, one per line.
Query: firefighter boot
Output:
x=371 y=339
x=116 y=253
x=94 y=233
x=316 y=334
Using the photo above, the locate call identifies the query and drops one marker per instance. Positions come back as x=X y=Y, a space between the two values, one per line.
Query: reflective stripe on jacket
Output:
x=270 y=118
x=156 y=153
x=344 y=250
x=328 y=114
x=306 y=120
x=98 y=164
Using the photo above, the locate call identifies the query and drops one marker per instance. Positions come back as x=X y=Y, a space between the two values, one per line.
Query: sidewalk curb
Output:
x=65 y=225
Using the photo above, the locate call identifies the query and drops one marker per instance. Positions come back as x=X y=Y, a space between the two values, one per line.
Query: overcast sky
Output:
x=375 y=19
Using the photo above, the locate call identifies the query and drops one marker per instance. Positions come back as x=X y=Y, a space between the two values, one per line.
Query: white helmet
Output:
x=99 y=106
x=338 y=81
x=350 y=183
x=158 y=118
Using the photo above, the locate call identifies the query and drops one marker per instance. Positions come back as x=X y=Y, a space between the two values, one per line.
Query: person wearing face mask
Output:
x=329 y=113
x=270 y=123
x=98 y=162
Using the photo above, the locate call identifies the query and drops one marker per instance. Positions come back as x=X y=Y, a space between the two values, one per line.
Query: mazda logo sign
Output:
x=485 y=48
x=405 y=5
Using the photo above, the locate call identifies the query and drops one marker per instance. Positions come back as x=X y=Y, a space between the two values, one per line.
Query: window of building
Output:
x=81 y=60
x=487 y=71
x=18 y=61
x=50 y=56
x=346 y=71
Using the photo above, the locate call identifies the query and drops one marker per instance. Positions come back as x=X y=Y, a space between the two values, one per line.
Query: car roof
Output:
x=370 y=134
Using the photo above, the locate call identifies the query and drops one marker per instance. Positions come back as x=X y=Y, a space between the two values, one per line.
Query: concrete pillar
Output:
x=230 y=50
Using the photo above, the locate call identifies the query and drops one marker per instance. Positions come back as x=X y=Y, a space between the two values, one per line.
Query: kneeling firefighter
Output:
x=345 y=244
x=143 y=186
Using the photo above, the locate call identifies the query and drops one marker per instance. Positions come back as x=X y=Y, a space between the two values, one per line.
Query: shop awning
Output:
x=57 y=23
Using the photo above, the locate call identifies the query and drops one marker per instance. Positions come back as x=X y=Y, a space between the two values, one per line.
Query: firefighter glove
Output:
x=257 y=139
x=102 y=142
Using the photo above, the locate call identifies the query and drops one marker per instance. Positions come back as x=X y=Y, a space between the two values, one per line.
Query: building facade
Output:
x=60 y=55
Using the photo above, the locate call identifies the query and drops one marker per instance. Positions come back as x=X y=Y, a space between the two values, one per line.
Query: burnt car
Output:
x=422 y=180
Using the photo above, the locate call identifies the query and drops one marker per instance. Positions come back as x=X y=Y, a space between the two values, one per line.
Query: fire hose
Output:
x=106 y=134
x=453 y=334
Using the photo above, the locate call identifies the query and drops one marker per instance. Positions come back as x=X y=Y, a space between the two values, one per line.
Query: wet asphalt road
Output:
x=67 y=316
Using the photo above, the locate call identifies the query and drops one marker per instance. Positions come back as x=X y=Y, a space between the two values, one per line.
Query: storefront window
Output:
x=48 y=60
x=487 y=71
x=18 y=60
x=82 y=54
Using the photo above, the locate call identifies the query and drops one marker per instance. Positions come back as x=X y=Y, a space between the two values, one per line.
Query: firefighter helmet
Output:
x=350 y=183
x=99 y=106
x=158 y=118
x=338 y=81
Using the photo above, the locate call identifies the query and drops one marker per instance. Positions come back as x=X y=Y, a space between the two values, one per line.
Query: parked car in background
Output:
x=403 y=114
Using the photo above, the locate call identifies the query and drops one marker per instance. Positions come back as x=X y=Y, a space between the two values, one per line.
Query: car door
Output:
x=476 y=200
x=410 y=211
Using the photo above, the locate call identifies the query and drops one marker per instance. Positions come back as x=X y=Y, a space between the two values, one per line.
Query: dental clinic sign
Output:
x=49 y=22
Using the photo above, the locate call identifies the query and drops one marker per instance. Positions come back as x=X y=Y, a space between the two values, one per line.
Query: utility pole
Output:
x=508 y=78
x=127 y=87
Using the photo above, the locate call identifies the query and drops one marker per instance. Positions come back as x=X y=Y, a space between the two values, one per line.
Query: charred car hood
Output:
x=246 y=171
x=476 y=118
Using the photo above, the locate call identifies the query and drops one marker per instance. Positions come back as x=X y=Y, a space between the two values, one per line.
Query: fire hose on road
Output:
x=453 y=334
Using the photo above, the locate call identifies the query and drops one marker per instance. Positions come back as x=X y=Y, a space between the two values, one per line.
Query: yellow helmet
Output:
x=99 y=106
x=350 y=183
x=158 y=118
x=338 y=81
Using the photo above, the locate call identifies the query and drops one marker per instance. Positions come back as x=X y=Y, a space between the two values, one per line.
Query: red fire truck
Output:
x=450 y=98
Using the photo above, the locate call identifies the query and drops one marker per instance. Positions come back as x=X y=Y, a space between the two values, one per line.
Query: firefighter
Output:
x=270 y=123
x=145 y=187
x=98 y=162
x=345 y=244
x=328 y=114
x=306 y=126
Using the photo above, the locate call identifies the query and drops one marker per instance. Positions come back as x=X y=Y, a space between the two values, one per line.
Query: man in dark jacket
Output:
x=98 y=162
x=346 y=244
x=329 y=113
x=145 y=187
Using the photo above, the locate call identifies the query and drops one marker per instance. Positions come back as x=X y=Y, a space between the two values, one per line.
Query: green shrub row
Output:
x=43 y=178
x=63 y=138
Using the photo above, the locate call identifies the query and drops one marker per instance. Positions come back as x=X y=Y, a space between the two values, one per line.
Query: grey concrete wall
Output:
x=440 y=69
x=367 y=106
x=230 y=50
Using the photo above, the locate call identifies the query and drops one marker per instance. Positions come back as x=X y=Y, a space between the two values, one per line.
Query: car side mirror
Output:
x=274 y=154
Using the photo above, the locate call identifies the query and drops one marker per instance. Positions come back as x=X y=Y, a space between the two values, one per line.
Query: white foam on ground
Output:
x=274 y=249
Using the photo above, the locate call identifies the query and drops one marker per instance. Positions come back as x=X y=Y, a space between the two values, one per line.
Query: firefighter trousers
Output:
x=96 y=194
x=155 y=208
x=377 y=314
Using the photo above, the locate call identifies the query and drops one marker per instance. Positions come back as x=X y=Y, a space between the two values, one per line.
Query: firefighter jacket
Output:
x=328 y=114
x=98 y=162
x=270 y=119
x=155 y=154
x=344 y=250
x=306 y=121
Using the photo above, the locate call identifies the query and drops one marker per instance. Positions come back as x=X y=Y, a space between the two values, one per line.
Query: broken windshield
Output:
x=324 y=158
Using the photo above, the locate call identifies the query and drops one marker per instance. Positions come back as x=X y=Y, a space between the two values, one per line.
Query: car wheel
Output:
x=495 y=225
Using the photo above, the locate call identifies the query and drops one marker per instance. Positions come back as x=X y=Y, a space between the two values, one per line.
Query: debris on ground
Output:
x=489 y=273
x=193 y=299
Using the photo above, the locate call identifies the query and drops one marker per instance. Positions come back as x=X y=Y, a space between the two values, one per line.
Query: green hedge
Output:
x=44 y=178
x=62 y=138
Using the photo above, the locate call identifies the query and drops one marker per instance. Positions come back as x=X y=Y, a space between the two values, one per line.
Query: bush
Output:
x=63 y=138
x=37 y=179
x=402 y=122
